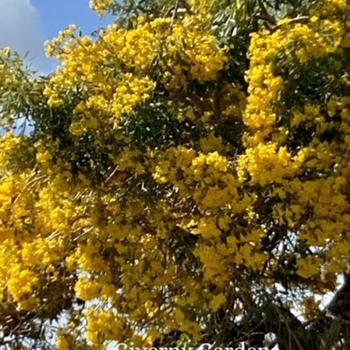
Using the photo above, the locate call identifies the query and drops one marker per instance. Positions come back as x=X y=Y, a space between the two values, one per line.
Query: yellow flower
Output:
x=217 y=301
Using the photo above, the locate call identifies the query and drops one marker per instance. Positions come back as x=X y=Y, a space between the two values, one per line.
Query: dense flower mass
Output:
x=187 y=171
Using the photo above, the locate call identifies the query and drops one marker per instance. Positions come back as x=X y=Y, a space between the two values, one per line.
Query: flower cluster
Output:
x=158 y=188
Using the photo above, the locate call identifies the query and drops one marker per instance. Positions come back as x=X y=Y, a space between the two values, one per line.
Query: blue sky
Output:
x=26 y=24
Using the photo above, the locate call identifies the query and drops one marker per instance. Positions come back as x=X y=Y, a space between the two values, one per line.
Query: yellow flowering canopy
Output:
x=183 y=177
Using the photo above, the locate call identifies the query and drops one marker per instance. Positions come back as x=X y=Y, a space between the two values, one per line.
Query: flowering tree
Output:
x=186 y=179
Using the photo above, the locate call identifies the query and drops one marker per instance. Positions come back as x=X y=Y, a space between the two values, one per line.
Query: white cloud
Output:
x=21 y=30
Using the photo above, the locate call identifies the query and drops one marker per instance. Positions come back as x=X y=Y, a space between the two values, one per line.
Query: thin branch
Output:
x=301 y=19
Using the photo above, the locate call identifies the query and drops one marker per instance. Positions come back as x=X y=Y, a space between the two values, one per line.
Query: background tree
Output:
x=186 y=179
